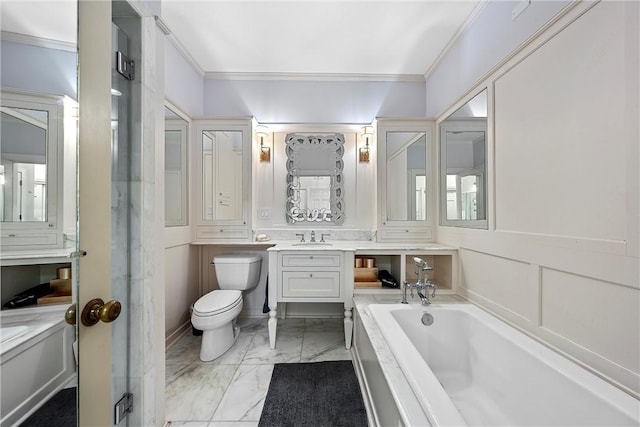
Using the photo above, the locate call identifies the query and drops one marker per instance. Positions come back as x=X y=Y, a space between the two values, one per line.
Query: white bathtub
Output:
x=469 y=368
x=36 y=359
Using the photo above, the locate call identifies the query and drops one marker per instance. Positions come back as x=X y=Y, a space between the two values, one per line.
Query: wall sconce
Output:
x=367 y=132
x=265 y=152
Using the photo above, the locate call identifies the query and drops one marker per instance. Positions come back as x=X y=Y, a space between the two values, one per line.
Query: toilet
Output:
x=215 y=313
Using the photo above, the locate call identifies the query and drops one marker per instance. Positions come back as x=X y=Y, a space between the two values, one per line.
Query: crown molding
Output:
x=184 y=52
x=38 y=41
x=316 y=77
x=463 y=28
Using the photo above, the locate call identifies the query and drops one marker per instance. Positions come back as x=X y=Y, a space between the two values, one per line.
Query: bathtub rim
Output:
x=617 y=397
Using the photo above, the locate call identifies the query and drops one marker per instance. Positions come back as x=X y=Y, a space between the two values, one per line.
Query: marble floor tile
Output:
x=288 y=348
x=194 y=392
x=244 y=399
x=185 y=350
x=230 y=391
x=324 y=325
x=189 y=424
x=253 y=324
x=323 y=346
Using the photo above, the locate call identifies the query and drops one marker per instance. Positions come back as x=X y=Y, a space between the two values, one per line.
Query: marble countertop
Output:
x=357 y=245
x=405 y=400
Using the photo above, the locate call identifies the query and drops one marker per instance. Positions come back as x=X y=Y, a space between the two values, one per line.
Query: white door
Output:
x=99 y=368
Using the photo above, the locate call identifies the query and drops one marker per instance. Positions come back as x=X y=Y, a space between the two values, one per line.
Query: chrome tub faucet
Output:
x=421 y=284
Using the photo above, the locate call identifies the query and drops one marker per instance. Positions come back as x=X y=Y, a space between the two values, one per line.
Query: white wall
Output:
x=359 y=186
x=38 y=69
x=293 y=101
x=560 y=258
x=489 y=39
x=184 y=86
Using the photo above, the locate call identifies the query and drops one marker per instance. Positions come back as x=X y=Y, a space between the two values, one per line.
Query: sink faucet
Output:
x=301 y=235
x=322 y=236
x=421 y=284
x=313 y=236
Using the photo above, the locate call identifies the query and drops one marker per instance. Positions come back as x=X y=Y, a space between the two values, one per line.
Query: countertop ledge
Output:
x=338 y=245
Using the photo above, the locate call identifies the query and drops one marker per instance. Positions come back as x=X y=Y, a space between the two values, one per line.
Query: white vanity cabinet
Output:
x=310 y=276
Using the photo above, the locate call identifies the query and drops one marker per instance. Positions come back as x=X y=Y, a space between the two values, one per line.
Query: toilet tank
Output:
x=237 y=271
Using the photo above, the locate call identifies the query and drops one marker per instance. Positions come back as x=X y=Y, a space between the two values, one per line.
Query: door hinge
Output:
x=125 y=66
x=123 y=407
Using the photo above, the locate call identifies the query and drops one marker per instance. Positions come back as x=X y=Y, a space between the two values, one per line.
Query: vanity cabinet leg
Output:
x=273 y=323
x=348 y=327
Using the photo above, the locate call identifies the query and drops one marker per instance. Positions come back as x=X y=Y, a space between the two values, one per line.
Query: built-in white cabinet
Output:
x=406 y=180
x=38 y=134
x=222 y=179
x=310 y=276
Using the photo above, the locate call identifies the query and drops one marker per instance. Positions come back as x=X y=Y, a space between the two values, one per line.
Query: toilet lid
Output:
x=216 y=302
x=236 y=259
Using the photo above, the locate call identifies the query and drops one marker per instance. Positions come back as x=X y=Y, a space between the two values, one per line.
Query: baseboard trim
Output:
x=172 y=338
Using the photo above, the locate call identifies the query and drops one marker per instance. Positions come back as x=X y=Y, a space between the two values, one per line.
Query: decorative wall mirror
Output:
x=463 y=160
x=315 y=190
x=175 y=168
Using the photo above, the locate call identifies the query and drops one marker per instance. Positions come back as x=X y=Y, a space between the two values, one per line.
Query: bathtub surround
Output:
x=313 y=394
x=470 y=368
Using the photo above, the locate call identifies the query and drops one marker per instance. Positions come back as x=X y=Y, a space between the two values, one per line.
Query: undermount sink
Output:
x=312 y=244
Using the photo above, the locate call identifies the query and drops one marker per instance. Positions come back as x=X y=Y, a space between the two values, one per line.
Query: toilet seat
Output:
x=217 y=302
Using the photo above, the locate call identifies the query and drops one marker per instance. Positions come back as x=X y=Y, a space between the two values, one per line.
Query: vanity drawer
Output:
x=315 y=259
x=311 y=284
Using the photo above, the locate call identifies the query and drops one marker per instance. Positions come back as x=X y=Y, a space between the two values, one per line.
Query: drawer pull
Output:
x=310 y=274
x=12 y=235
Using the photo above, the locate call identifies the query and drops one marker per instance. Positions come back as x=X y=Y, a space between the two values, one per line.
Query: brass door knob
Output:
x=70 y=315
x=97 y=310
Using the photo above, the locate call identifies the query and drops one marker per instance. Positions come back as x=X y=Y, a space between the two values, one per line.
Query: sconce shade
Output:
x=367 y=131
x=262 y=131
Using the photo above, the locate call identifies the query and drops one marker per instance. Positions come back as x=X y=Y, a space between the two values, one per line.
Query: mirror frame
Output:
x=443 y=127
x=50 y=231
x=186 y=127
x=296 y=143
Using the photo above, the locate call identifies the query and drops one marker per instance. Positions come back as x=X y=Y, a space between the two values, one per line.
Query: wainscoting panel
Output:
x=586 y=311
x=505 y=282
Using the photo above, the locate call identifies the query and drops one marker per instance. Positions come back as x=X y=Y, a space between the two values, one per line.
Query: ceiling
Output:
x=304 y=37
x=352 y=37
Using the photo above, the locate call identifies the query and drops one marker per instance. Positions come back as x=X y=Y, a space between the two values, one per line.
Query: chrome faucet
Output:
x=322 y=236
x=301 y=235
x=421 y=284
x=313 y=236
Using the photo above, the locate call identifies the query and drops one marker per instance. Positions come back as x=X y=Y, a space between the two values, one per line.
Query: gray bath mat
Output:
x=320 y=394
x=59 y=411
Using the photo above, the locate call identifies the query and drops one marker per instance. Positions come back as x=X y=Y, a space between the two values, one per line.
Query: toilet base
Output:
x=215 y=342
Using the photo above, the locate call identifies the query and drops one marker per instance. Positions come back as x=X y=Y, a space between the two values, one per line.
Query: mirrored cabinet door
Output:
x=176 y=130
x=463 y=165
x=31 y=147
x=223 y=179
x=405 y=180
